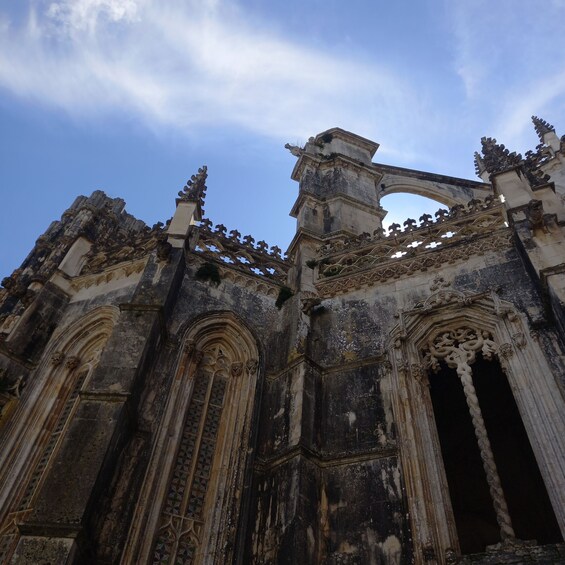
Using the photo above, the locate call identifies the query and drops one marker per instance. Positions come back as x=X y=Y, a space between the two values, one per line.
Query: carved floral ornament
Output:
x=458 y=346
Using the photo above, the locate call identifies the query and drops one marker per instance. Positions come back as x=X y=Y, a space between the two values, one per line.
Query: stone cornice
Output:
x=305 y=195
x=338 y=160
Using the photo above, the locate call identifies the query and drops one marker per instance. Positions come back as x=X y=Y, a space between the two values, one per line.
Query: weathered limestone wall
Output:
x=325 y=450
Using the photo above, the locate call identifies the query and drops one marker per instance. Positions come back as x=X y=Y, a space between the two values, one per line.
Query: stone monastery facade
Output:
x=181 y=394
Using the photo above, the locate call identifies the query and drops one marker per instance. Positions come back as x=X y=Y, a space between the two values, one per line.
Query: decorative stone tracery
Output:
x=454 y=327
x=200 y=450
x=50 y=399
x=458 y=349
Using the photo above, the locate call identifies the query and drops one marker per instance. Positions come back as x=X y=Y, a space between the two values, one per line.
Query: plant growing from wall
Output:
x=284 y=294
x=209 y=272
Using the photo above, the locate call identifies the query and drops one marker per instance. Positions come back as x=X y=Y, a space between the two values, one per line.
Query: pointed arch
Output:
x=534 y=387
x=194 y=483
x=34 y=433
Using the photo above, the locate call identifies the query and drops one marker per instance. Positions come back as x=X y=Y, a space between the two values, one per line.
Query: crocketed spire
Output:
x=195 y=189
x=496 y=157
x=479 y=164
x=542 y=127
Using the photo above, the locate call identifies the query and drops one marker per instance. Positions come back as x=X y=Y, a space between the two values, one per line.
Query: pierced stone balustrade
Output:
x=241 y=253
x=478 y=218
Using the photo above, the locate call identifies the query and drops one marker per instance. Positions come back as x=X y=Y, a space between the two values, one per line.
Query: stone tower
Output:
x=185 y=394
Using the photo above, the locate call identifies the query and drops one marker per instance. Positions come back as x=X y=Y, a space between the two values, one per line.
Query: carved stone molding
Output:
x=419 y=373
x=72 y=362
x=519 y=340
x=251 y=366
x=236 y=369
x=57 y=358
x=505 y=350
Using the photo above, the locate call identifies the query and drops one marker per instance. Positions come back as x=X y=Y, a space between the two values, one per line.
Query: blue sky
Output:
x=132 y=96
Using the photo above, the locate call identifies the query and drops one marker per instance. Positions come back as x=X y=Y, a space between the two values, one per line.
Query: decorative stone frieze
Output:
x=391 y=269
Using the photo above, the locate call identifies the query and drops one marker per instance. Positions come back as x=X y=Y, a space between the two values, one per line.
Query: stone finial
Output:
x=496 y=157
x=542 y=127
x=195 y=189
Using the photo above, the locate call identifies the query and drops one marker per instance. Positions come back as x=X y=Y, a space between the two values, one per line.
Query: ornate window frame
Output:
x=32 y=436
x=536 y=392
x=215 y=535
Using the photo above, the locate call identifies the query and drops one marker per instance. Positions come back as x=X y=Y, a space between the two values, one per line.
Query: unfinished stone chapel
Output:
x=182 y=394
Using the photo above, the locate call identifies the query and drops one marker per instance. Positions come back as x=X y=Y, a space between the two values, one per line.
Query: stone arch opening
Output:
x=532 y=383
x=403 y=205
x=529 y=508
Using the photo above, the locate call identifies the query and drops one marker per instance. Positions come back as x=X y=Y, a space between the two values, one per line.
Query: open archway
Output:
x=525 y=503
x=456 y=328
x=401 y=206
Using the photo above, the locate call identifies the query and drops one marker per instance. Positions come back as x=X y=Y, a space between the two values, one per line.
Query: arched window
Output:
x=48 y=402
x=486 y=358
x=194 y=483
x=496 y=490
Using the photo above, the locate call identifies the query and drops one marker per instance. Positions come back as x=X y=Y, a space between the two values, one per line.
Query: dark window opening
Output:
x=473 y=510
x=527 y=499
x=526 y=496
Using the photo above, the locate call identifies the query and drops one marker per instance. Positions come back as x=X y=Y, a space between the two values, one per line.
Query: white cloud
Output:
x=83 y=15
x=187 y=64
x=510 y=55
x=533 y=100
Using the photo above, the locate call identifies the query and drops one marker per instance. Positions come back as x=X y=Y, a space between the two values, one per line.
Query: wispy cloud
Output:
x=185 y=64
x=510 y=56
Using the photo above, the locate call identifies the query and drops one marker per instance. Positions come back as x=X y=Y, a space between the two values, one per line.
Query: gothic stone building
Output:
x=181 y=394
